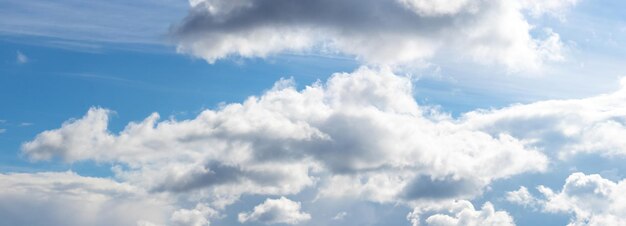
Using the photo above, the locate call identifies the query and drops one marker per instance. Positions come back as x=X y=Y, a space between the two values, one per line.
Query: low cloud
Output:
x=459 y=213
x=562 y=128
x=591 y=199
x=276 y=211
x=69 y=199
x=388 y=32
x=359 y=135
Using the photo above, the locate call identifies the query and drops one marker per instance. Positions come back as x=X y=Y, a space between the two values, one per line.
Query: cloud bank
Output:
x=359 y=136
x=388 y=32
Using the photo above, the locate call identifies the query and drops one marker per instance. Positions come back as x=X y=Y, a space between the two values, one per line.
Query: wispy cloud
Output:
x=21 y=58
x=115 y=21
x=24 y=124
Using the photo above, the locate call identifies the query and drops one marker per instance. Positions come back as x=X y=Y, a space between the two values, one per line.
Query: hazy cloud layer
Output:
x=377 y=32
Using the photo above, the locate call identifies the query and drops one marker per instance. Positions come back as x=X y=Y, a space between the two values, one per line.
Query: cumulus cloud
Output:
x=562 y=127
x=199 y=216
x=69 y=199
x=522 y=197
x=377 y=32
x=591 y=199
x=359 y=135
x=459 y=213
x=276 y=211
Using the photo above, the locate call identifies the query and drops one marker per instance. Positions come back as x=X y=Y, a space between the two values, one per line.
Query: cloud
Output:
x=591 y=199
x=552 y=7
x=562 y=128
x=21 y=58
x=276 y=211
x=459 y=213
x=359 y=135
x=522 y=197
x=386 y=32
x=76 y=24
x=69 y=199
x=340 y=216
x=199 y=216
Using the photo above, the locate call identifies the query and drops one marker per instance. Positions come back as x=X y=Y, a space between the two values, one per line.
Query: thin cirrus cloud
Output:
x=389 y=32
x=69 y=21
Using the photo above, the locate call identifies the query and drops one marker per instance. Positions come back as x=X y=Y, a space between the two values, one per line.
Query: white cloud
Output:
x=360 y=135
x=459 y=213
x=199 y=216
x=522 y=197
x=486 y=31
x=591 y=199
x=21 y=58
x=552 y=7
x=340 y=216
x=276 y=211
x=69 y=199
x=562 y=127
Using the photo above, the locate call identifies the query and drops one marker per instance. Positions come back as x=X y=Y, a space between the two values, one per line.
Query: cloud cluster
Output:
x=276 y=211
x=360 y=135
x=386 y=32
x=593 y=200
x=459 y=213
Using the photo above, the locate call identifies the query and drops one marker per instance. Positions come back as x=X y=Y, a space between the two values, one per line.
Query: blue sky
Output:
x=395 y=112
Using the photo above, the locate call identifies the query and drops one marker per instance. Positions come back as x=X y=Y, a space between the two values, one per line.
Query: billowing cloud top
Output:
x=358 y=136
x=386 y=32
x=276 y=211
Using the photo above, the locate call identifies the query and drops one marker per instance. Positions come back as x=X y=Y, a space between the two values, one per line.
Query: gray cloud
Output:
x=424 y=187
x=378 y=32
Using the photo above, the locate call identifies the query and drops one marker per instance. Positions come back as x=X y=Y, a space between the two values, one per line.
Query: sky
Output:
x=319 y=112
